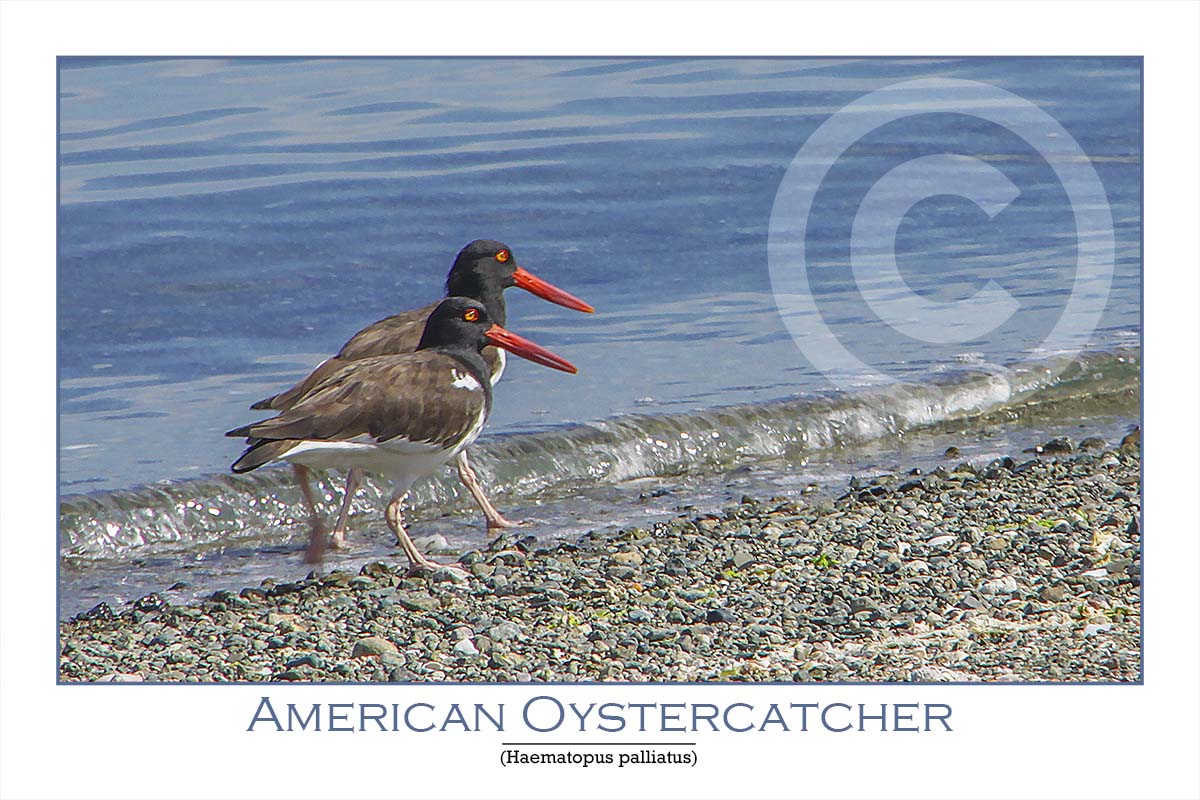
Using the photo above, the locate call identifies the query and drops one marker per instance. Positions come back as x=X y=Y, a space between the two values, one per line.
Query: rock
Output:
x=152 y=602
x=1062 y=444
x=101 y=611
x=307 y=660
x=121 y=677
x=716 y=615
x=465 y=649
x=741 y=558
x=1093 y=443
x=417 y=602
x=622 y=573
x=936 y=674
x=675 y=566
x=1092 y=629
x=435 y=543
x=167 y=637
x=504 y=631
x=1132 y=441
x=639 y=615
x=628 y=557
x=448 y=574
x=1005 y=585
x=1052 y=594
x=373 y=646
x=375 y=569
x=944 y=540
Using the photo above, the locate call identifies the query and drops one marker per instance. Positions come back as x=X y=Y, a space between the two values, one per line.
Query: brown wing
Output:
x=285 y=400
x=409 y=396
x=399 y=333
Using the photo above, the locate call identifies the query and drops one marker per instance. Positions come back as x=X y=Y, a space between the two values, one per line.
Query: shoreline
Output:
x=1027 y=569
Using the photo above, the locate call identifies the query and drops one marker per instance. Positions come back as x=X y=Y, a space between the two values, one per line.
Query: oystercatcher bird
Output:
x=481 y=271
x=403 y=416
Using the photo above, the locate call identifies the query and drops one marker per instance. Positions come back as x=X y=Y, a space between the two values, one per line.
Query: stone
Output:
x=308 y=659
x=1052 y=594
x=996 y=543
x=504 y=631
x=465 y=649
x=121 y=677
x=435 y=543
x=936 y=674
x=1005 y=585
x=417 y=602
x=373 y=646
x=741 y=558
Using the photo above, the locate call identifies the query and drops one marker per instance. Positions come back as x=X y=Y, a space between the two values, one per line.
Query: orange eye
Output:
x=503 y=256
x=471 y=314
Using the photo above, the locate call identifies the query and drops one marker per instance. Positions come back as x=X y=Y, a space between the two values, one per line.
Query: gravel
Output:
x=1017 y=570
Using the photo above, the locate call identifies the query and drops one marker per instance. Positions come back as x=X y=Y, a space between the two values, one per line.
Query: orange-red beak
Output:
x=531 y=283
x=527 y=349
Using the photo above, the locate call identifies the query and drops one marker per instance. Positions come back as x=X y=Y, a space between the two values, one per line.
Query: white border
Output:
x=132 y=742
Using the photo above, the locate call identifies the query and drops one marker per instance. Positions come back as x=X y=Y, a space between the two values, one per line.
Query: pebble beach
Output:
x=1027 y=568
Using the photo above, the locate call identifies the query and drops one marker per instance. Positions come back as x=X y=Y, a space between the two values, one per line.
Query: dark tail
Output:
x=267 y=404
x=260 y=452
x=242 y=432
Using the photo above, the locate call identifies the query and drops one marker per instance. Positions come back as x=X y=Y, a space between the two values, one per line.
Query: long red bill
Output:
x=531 y=283
x=527 y=349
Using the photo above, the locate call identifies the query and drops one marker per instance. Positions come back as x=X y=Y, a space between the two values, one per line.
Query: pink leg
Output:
x=467 y=476
x=315 y=553
x=339 y=530
x=417 y=562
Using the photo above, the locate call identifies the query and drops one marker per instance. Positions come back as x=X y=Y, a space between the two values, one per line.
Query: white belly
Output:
x=401 y=461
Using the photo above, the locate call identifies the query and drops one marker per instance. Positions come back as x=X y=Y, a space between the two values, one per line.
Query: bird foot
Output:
x=424 y=567
x=498 y=523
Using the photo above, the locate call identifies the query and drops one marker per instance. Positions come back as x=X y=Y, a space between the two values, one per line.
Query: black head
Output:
x=485 y=268
x=482 y=271
x=458 y=322
x=462 y=325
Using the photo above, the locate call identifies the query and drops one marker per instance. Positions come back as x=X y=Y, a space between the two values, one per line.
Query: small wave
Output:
x=225 y=509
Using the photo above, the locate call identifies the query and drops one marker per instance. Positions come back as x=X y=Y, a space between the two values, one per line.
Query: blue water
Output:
x=225 y=224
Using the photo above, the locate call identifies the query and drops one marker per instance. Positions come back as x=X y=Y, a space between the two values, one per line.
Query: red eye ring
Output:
x=471 y=315
x=503 y=256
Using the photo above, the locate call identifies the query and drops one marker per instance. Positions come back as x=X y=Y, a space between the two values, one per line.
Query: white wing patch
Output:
x=466 y=381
